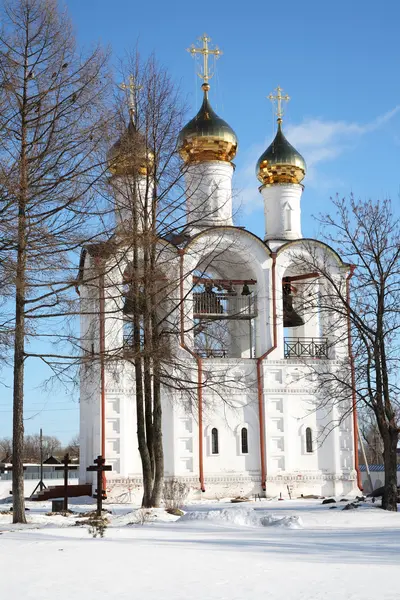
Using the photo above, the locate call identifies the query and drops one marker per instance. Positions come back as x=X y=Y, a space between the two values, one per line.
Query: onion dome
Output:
x=129 y=155
x=207 y=137
x=280 y=163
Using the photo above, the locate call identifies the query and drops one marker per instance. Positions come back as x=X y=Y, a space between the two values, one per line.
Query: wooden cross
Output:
x=66 y=468
x=205 y=51
x=132 y=87
x=279 y=98
x=100 y=493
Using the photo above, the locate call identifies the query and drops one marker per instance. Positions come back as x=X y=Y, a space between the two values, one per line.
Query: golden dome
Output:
x=207 y=137
x=129 y=155
x=280 y=163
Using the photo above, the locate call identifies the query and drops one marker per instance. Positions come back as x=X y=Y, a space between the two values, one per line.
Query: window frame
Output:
x=214 y=441
x=309 y=441
x=244 y=439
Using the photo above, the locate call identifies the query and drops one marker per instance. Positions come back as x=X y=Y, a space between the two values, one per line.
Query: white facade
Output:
x=262 y=425
x=282 y=211
x=209 y=194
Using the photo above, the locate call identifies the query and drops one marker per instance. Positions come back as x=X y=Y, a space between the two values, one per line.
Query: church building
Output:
x=252 y=421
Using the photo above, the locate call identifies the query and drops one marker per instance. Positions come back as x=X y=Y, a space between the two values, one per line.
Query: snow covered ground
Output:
x=291 y=550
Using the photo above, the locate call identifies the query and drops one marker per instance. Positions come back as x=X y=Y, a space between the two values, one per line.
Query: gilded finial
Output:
x=132 y=87
x=278 y=98
x=205 y=50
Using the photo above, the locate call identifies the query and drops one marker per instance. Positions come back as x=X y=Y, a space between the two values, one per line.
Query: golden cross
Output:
x=132 y=89
x=205 y=51
x=278 y=98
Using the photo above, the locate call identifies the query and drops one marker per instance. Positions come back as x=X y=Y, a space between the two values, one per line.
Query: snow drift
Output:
x=244 y=517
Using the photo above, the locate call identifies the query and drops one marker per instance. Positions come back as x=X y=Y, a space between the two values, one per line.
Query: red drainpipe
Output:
x=102 y=366
x=199 y=374
x=260 y=377
x=353 y=379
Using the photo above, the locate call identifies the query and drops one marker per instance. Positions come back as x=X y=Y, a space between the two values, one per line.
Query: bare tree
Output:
x=73 y=447
x=137 y=274
x=5 y=449
x=51 y=126
x=371 y=438
x=366 y=235
x=51 y=446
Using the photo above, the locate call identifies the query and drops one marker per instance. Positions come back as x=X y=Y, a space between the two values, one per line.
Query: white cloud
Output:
x=319 y=140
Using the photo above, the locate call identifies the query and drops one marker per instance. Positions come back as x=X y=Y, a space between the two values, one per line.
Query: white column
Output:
x=282 y=211
x=209 y=193
x=128 y=189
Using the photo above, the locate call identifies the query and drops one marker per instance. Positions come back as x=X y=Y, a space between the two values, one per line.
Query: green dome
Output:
x=207 y=137
x=281 y=163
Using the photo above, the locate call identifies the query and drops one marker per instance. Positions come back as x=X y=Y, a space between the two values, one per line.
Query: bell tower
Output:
x=131 y=165
x=281 y=169
x=207 y=145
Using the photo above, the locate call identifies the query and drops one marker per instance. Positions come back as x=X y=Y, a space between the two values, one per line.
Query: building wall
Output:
x=290 y=404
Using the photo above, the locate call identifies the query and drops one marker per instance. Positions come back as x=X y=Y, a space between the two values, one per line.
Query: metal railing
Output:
x=224 y=306
x=302 y=347
x=212 y=352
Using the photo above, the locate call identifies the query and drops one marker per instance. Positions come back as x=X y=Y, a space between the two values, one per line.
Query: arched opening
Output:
x=144 y=302
x=214 y=441
x=244 y=439
x=309 y=440
x=301 y=316
x=224 y=306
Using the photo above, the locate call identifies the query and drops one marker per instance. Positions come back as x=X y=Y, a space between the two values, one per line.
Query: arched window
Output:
x=288 y=217
x=244 y=440
x=309 y=442
x=214 y=441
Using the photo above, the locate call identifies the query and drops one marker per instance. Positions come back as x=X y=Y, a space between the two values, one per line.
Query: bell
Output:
x=290 y=317
x=246 y=290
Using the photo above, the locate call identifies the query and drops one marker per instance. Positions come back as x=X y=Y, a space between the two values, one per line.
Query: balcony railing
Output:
x=302 y=347
x=214 y=305
x=212 y=352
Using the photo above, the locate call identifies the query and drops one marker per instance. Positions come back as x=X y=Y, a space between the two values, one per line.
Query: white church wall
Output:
x=89 y=419
x=170 y=433
x=287 y=395
x=282 y=211
x=229 y=421
x=209 y=193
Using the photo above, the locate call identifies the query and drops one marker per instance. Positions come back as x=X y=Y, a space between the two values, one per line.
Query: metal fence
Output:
x=32 y=474
x=302 y=347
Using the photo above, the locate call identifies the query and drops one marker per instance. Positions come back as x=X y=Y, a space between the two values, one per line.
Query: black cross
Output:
x=66 y=467
x=100 y=493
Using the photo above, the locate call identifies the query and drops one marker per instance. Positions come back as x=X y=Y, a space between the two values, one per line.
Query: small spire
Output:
x=206 y=88
x=205 y=74
x=278 y=98
x=132 y=87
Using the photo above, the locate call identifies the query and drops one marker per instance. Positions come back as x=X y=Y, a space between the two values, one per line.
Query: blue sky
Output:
x=338 y=61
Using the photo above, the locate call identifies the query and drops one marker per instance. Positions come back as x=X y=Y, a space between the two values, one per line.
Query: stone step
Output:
x=57 y=491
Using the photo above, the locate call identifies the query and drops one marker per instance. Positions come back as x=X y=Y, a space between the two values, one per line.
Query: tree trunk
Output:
x=141 y=435
x=157 y=444
x=19 y=335
x=18 y=394
x=148 y=407
x=18 y=402
x=389 y=499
